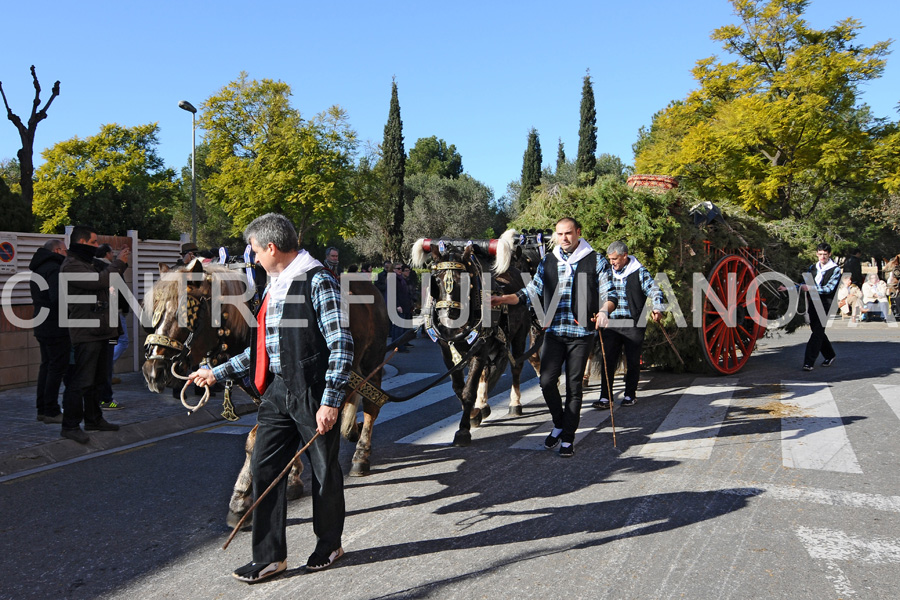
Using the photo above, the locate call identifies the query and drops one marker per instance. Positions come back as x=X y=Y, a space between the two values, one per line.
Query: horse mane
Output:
x=233 y=287
x=417 y=258
x=504 y=252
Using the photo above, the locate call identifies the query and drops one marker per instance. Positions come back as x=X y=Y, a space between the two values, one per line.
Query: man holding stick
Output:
x=634 y=286
x=299 y=360
x=579 y=279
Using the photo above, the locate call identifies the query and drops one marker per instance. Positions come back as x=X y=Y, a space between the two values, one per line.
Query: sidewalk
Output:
x=28 y=443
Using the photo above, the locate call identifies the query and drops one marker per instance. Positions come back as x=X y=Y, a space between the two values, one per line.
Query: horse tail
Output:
x=417 y=261
x=504 y=252
x=348 y=418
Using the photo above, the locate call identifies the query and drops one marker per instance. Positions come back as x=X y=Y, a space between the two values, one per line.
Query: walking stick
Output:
x=668 y=339
x=291 y=462
x=609 y=387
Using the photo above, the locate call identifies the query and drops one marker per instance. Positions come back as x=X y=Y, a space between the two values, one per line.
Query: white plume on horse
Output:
x=503 y=249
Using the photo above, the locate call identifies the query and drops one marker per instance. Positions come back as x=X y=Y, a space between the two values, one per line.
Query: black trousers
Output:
x=574 y=352
x=615 y=341
x=285 y=422
x=818 y=341
x=81 y=399
x=54 y=365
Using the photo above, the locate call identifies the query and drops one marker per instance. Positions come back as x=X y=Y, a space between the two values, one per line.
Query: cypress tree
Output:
x=586 y=161
x=531 y=167
x=560 y=156
x=394 y=161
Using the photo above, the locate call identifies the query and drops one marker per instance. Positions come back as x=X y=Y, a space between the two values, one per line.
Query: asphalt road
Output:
x=772 y=483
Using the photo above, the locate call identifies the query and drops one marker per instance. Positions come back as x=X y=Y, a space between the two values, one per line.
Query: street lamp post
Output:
x=185 y=105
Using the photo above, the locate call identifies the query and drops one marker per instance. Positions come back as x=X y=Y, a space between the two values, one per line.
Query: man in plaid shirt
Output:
x=300 y=366
x=580 y=279
x=634 y=286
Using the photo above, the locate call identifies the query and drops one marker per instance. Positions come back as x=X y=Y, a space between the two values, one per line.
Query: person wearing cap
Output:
x=188 y=253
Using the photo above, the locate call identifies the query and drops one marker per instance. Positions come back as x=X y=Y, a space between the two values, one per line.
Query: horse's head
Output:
x=190 y=325
x=455 y=291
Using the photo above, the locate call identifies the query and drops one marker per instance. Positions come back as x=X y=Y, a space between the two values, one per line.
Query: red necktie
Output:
x=262 y=355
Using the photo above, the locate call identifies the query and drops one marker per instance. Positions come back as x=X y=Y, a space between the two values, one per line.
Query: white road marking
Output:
x=891 y=395
x=405 y=379
x=833 y=547
x=442 y=432
x=815 y=438
x=689 y=430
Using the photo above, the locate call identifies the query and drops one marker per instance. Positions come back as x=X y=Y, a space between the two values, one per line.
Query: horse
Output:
x=454 y=320
x=184 y=333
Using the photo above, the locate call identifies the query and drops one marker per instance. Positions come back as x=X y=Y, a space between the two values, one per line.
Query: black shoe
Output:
x=552 y=440
x=101 y=425
x=807 y=367
x=601 y=404
x=567 y=451
x=76 y=435
x=54 y=420
x=256 y=572
x=40 y=417
x=628 y=401
x=825 y=363
x=318 y=561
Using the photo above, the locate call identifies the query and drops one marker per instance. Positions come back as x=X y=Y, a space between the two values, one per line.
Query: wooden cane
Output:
x=609 y=387
x=668 y=339
x=297 y=457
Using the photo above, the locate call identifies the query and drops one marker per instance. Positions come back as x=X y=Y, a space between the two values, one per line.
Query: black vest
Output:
x=827 y=299
x=585 y=275
x=634 y=295
x=304 y=352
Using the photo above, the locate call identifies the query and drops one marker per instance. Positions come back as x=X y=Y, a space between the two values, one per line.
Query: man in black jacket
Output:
x=90 y=328
x=52 y=339
x=853 y=265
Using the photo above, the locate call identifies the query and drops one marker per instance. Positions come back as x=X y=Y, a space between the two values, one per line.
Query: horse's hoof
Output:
x=515 y=410
x=294 y=492
x=475 y=421
x=234 y=518
x=486 y=411
x=359 y=469
x=462 y=438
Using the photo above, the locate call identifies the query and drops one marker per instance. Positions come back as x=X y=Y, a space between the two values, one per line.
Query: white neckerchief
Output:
x=820 y=270
x=632 y=266
x=279 y=284
x=581 y=251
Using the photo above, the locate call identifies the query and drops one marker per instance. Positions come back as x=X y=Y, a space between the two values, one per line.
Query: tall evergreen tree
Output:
x=531 y=167
x=560 y=156
x=394 y=165
x=586 y=161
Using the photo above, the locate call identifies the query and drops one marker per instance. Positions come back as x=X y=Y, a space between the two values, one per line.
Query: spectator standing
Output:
x=52 y=339
x=381 y=279
x=332 y=262
x=403 y=304
x=88 y=292
x=853 y=266
x=104 y=257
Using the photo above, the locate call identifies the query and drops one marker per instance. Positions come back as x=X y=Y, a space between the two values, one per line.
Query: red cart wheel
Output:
x=729 y=332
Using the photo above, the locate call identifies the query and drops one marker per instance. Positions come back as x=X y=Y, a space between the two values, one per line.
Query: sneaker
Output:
x=567 y=450
x=112 y=405
x=601 y=404
x=807 y=367
x=256 y=572
x=40 y=417
x=54 y=420
x=76 y=435
x=628 y=401
x=101 y=425
x=552 y=440
x=825 y=363
x=318 y=561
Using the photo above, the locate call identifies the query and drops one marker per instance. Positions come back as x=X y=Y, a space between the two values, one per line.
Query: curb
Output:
x=60 y=450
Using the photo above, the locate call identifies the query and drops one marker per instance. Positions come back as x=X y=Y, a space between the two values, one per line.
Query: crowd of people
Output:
x=600 y=298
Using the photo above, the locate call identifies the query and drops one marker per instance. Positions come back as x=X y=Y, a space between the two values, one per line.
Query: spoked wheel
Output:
x=729 y=332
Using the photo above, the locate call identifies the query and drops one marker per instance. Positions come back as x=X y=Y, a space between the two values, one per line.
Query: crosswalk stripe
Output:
x=816 y=438
x=392 y=410
x=398 y=381
x=442 y=432
x=891 y=395
x=833 y=547
x=690 y=429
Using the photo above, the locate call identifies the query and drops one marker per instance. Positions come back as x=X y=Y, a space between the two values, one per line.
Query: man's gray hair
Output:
x=54 y=245
x=617 y=247
x=275 y=229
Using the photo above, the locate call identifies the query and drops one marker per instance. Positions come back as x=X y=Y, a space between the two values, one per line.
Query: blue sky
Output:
x=477 y=74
